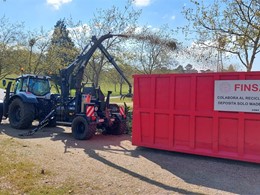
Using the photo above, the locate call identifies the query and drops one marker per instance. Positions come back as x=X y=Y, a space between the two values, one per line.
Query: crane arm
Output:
x=112 y=61
x=80 y=63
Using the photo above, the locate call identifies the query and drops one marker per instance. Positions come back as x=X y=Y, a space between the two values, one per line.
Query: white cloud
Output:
x=173 y=17
x=142 y=3
x=56 y=4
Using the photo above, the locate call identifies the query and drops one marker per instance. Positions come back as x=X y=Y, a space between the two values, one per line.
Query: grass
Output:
x=19 y=175
x=119 y=100
x=110 y=87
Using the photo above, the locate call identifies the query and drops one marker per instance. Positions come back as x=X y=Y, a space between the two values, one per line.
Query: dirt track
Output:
x=112 y=165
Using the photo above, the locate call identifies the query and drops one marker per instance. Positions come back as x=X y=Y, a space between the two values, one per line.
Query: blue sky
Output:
x=45 y=13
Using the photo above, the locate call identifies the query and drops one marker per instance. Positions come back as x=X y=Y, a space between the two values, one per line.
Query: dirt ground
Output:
x=112 y=165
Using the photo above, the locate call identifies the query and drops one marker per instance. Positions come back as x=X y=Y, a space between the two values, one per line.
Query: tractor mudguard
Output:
x=26 y=97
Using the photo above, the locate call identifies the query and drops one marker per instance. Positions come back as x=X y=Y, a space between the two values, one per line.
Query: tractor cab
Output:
x=27 y=98
x=32 y=84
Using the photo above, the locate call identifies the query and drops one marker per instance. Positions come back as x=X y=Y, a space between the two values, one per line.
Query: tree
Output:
x=228 y=26
x=62 y=50
x=189 y=69
x=179 y=69
x=37 y=45
x=231 y=68
x=114 y=20
x=11 y=36
x=153 y=50
x=112 y=75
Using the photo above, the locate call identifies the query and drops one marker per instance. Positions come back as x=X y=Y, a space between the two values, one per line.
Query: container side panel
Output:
x=181 y=131
x=204 y=133
x=205 y=93
x=136 y=131
x=161 y=129
x=176 y=112
x=146 y=136
x=228 y=135
x=145 y=92
x=162 y=94
x=183 y=93
x=252 y=137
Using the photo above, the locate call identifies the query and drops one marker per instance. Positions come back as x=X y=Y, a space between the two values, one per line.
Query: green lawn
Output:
x=111 y=87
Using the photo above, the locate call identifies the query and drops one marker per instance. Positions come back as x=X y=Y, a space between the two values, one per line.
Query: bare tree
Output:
x=10 y=40
x=228 y=26
x=114 y=20
x=153 y=49
x=37 y=44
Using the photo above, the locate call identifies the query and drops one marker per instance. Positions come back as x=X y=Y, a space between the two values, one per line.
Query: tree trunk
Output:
x=249 y=68
x=96 y=80
x=121 y=84
x=115 y=87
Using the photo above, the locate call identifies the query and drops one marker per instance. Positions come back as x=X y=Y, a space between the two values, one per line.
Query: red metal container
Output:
x=176 y=112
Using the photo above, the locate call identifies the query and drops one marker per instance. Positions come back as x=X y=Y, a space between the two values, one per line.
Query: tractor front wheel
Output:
x=21 y=114
x=81 y=129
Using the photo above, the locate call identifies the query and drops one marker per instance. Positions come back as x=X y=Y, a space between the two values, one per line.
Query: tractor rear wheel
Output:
x=21 y=114
x=117 y=128
x=81 y=129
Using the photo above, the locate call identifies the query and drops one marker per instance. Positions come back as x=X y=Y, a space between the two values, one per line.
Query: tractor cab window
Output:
x=21 y=85
x=39 y=87
x=24 y=84
x=18 y=86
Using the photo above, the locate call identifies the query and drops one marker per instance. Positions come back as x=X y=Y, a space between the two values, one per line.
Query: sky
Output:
x=44 y=14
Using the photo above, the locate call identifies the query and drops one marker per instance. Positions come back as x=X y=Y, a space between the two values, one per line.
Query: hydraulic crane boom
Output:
x=80 y=63
x=112 y=61
x=76 y=69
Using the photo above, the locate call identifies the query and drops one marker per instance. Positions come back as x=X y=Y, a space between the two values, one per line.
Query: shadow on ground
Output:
x=226 y=175
x=45 y=132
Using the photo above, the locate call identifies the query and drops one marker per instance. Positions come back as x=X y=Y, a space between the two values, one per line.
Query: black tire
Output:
x=1 y=111
x=117 y=128
x=81 y=129
x=21 y=115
